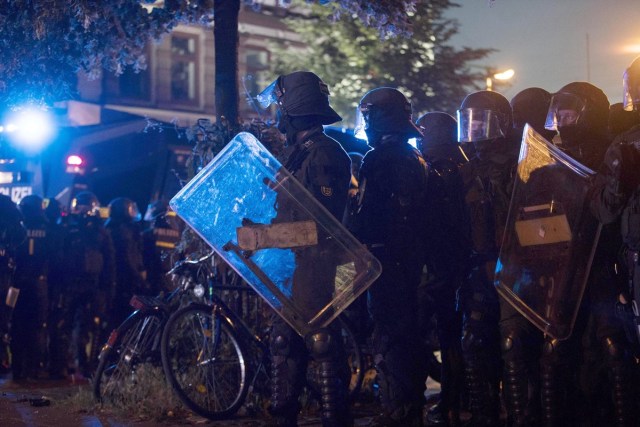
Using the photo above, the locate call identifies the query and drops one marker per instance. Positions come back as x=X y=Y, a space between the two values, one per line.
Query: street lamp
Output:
x=502 y=76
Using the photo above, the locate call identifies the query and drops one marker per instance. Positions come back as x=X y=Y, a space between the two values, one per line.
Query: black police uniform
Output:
x=29 y=321
x=12 y=234
x=391 y=222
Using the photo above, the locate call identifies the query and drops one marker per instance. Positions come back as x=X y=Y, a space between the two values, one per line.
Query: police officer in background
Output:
x=12 y=234
x=159 y=244
x=322 y=166
x=29 y=321
x=448 y=248
x=125 y=230
x=485 y=121
x=616 y=200
x=390 y=221
x=87 y=286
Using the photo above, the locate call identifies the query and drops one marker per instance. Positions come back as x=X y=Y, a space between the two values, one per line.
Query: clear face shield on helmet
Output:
x=270 y=95
x=479 y=125
x=631 y=91
x=565 y=110
x=361 y=125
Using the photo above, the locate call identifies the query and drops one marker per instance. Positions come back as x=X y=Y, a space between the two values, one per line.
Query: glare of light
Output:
x=631 y=48
x=361 y=134
x=413 y=142
x=74 y=160
x=31 y=129
x=504 y=75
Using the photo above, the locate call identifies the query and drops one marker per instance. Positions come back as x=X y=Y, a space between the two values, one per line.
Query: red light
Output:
x=74 y=160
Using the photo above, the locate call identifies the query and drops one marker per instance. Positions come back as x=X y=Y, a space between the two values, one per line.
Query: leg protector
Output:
x=515 y=386
x=325 y=350
x=285 y=375
x=619 y=371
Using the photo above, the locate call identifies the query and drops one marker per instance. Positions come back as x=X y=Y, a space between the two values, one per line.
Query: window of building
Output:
x=184 y=68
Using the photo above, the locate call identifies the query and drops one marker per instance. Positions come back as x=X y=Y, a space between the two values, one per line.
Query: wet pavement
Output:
x=46 y=403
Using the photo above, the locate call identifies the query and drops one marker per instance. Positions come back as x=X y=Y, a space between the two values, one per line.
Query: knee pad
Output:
x=320 y=343
x=280 y=345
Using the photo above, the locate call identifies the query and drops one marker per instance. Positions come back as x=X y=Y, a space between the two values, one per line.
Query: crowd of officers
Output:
x=434 y=217
x=68 y=276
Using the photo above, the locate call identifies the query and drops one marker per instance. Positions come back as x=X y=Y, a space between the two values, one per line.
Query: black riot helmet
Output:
x=303 y=102
x=385 y=111
x=123 y=210
x=484 y=116
x=631 y=86
x=530 y=106
x=31 y=207
x=440 y=137
x=85 y=203
x=576 y=110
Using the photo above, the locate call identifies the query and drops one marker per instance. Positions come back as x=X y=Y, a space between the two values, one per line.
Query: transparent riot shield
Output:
x=550 y=237
x=276 y=235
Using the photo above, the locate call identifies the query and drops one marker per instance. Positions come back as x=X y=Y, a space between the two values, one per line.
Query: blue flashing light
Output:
x=29 y=129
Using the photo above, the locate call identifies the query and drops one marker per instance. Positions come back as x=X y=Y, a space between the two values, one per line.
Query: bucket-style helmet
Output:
x=483 y=116
x=631 y=86
x=85 y=203
x=301 y=93
x=385 y=111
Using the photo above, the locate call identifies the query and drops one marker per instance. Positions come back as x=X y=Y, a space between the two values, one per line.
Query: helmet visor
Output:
x=475 y=124
x=270 y=95
x=359 y=130
x=631 y=95
x=565 y=110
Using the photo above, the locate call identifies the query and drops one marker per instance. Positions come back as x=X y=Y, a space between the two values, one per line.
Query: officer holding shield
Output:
x=322 y=166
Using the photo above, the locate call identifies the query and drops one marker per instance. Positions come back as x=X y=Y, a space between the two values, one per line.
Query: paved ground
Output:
x=50 y=403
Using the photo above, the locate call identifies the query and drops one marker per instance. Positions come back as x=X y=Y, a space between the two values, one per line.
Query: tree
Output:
x=353 y=59
x=45 y=43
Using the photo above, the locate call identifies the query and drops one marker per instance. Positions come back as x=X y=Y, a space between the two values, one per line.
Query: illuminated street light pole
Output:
x=502 y=76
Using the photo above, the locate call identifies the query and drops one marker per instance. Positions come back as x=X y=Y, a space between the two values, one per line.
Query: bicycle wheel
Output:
x=133 y=343
x=204 y=362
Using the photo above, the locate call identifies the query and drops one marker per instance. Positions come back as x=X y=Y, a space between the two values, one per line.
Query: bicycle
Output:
x=206 y=359
x=136 y=342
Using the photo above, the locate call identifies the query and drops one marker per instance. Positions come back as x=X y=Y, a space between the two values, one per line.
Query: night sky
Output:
x=545 y=41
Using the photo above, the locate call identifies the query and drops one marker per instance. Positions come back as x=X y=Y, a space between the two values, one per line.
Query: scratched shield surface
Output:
x=276 y=235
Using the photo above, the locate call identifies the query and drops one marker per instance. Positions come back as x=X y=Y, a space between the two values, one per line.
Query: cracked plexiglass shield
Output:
x=550 y=237
x=276 y=235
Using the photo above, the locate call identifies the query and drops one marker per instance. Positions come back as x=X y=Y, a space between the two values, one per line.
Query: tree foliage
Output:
x=44 y=43
x=353 y=59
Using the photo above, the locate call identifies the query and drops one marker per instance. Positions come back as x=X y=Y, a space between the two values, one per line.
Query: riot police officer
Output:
x=87 y=287
x=616 y=201
x=485 y=121
x=12 y=234
x=29 y=321
x=579 y=112
x=125 y=230
x=447 y=249
x=390 y=221
x=321 y=165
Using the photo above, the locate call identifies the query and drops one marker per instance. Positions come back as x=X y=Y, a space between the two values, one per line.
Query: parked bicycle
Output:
x=214 y=359
x=136 y=342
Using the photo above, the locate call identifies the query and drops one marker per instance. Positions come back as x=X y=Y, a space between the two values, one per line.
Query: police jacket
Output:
x=392 y=197
x=322 y=166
